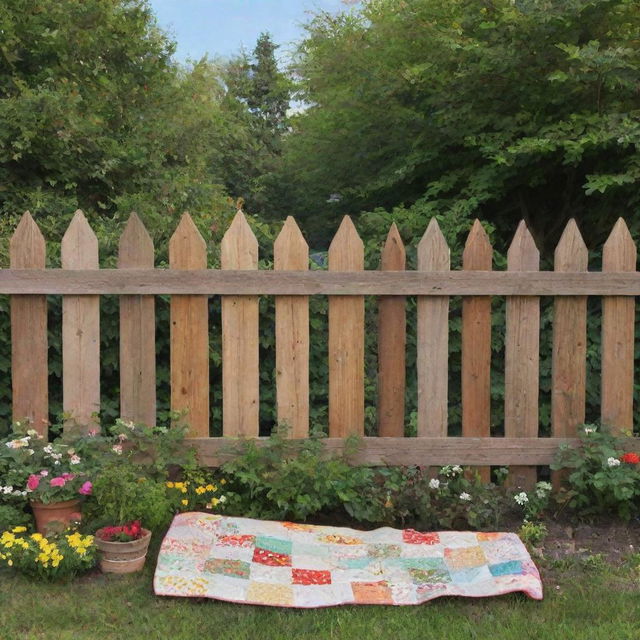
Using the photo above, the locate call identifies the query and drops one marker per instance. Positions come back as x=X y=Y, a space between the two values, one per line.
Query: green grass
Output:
x=583 y=599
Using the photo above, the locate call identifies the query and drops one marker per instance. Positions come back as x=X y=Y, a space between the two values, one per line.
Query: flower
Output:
x=465 y=496
x=613 y=462
x=434 y=483
x=543 y=488
x=7 y=489
x=117 y=448
x=630 y=458
x=185 y=502
x=44 y=473
x=18 y=443
x=57 y=482
x=86 y=489
x=521 y=498
x=74 y=459
x=589 y=430
x=33 y=482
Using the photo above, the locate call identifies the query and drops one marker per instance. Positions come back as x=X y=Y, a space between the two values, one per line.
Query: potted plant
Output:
x=123 y=549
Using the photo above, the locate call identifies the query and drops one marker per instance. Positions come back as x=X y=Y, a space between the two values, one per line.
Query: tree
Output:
x=501 y=110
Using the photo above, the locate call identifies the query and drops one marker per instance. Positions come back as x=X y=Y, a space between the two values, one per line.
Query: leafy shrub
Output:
x=533 y=534
x=11 y=516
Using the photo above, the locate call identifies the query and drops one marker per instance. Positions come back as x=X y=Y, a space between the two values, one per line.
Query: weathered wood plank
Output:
x=392 y=332
x=618 y=320
x=80 y=332
x=569 y=343
x=476 y=344
x=189 y=333
x=291 y=252
x=522 y=355
x=433 y=339
x=306 y=283
x=240 y=373
x=419 y=451
x=29 y=363
x=137 y=331
x=346 y=339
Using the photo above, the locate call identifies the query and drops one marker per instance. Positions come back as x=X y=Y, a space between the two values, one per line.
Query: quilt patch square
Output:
x=464 y=558
x=277 y=545
x=415 y=537
x=372 y=592
x=227 y=567
x=267 y=593
x=310 y=576
x=513 y=567
x=271 y=558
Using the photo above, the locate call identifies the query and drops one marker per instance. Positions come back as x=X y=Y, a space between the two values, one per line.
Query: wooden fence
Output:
x=239 y=282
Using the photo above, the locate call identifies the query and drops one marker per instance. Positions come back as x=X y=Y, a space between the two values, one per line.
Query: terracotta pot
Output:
x=61 y=513
x=122 y=557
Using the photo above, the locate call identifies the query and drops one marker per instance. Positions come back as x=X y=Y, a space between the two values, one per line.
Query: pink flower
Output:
x=117 y=448
x=33 y=482
x=44 y=472
x=68 y=476
x=86 y=489
x=57 y=482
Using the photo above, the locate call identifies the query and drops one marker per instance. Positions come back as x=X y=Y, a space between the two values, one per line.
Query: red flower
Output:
x=630 y=458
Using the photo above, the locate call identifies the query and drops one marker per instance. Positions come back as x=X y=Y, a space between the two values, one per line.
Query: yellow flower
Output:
x=210 y=487
x=36 y=536
x=200 y=490
x=170 y=485
x=223 y=481
x=185 y=502
x=19 y=529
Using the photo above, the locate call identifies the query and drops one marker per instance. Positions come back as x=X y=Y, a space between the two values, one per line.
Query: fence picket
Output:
x=189 y=333
x=391 y=344
x=29 y=343
x=80 y=331
x=476 y=344
x=346 y=339
x=569 y=343
x=433 y=339
x=137 y=331
x=240 y=374
x=522 y=354
x=618 y=320
x=291 y=253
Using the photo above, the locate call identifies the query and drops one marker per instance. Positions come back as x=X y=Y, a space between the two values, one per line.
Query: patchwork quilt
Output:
x=297 y=565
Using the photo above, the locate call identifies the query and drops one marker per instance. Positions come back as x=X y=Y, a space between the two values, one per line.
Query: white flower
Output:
x=8 y=489
x=19 y=443
x=74 y=459
x=30 y=452
x=543 y=489
x=24 y=493
x=18 y=493
x=117 y=448
x=451 y=470
x=56 y=462
x=222 y=498
x=613 y=462
x=122 y=437
x=48 y=449
x=32 y=433
x=521 y=498
x=465 y=496
x=434 y=483
x=588 y=430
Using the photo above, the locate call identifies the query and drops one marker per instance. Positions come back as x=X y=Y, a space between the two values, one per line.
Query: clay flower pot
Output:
x=62 y=513
x=122 y=557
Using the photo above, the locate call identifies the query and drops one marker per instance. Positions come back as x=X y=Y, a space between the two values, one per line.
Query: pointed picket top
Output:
x=135 y=250
x=27 y=248
x=433 y=250
x=393 y=254
x=619 y=252
x=523 y=255
x=290 y=250
x=239 y=247
x=346 y=251
x=79 y=248
x=478 y=252
x=571 y=254
x=187 y=248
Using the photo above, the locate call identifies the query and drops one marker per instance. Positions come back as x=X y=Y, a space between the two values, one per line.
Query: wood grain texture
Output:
x=522 y=355
x=618 y=323
x=189 y=333
x=80 y=332
x=433 y=339
x=306 y=283
x=476 y=344
x=240 y=358
x=392 y=338
x=29 y=343
x=137 y=331
x=346 y=339
x=418 y=451
x=291 y=252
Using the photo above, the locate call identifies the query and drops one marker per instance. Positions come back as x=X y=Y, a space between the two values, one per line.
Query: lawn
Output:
x=585 y=597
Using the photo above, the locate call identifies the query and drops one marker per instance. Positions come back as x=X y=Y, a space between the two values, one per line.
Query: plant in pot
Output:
x=52 y=476
x=127 y=506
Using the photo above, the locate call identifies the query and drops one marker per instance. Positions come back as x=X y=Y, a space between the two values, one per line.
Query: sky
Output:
x=222 y=27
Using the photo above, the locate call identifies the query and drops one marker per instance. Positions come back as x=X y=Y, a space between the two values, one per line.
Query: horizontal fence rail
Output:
x=239 y=282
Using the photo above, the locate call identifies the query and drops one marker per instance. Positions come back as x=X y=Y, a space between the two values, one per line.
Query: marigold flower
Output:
x=185 y=502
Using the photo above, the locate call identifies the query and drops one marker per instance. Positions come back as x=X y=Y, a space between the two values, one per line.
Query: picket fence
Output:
x=80 y=281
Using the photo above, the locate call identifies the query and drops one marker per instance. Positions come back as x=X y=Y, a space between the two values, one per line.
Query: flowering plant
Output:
x=52 y=558
x=124 y=533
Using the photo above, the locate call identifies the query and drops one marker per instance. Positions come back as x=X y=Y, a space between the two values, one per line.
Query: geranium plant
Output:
x=124 y=533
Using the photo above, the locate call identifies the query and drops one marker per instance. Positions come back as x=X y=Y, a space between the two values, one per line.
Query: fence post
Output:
x=433 y=339
x=346 y=339
x=240 y=371
x=392 y=338
x=29 y=363
x=190 y=333
x=80 y=331
x=522 y=355
x=618 y=325
x=137 y=331
x=291 y=253
x=476 y=344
